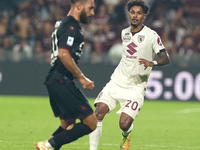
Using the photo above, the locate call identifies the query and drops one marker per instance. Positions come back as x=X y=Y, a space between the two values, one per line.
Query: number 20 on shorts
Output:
x=132 y=104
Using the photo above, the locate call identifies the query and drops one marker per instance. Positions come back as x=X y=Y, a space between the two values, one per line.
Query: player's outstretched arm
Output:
x=163 y=60
x=69 y=63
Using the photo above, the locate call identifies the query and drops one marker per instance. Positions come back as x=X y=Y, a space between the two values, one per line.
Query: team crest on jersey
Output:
x=141 y=38
x=126 y=38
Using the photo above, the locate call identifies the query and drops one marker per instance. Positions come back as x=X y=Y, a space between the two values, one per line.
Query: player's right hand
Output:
x=87 y=83
x=146 y=63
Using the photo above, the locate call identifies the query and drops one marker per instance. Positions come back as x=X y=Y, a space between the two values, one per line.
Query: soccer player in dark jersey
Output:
x=67 y=101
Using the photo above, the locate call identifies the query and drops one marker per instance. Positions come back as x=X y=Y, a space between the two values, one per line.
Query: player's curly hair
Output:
x=141 y=3
x=74 y=1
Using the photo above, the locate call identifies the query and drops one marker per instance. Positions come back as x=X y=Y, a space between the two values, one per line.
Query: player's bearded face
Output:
x=136 y=16
x=83 y=17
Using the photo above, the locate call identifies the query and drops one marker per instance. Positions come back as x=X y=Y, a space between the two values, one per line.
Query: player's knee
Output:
x=91 y=122
x=125 y=121
x=93 y=126
x=68 y=124
x=124 y=126
x=101 y=110
x=63 y=124
x=99 y=115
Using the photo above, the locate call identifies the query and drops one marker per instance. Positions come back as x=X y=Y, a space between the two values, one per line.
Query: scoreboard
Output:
x=175 y=84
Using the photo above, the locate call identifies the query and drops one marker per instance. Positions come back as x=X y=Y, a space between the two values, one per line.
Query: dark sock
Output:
x=59 y=130
x=67 y=136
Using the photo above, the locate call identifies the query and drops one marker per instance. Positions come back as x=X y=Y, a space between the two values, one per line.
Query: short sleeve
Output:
x=66 y=37
x=157 y=43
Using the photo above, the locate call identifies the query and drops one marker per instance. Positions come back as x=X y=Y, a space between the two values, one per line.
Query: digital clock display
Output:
x=183 y=85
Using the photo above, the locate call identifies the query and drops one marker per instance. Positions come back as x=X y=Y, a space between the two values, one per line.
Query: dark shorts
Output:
x=68 y=101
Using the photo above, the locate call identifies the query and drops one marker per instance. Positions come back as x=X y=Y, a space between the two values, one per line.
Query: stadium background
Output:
x=25 y=45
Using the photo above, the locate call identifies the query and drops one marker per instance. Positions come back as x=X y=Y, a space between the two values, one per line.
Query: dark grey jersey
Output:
x=67 y=35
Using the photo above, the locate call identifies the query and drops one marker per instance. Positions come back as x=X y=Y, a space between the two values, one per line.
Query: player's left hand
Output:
x=146 y=63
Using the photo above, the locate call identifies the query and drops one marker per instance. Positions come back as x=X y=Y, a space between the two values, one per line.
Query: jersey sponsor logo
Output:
x=132 y=49
x=159 y=41
x=70 y=41
x=126 y=38
x=141 y=38
x=131 y=57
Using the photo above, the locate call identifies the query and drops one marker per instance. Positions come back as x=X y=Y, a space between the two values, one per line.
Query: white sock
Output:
x=125 y=133
x=47 y=144
x=95 y=136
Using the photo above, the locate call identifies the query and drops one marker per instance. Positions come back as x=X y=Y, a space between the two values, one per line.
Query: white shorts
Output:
x=130 y=99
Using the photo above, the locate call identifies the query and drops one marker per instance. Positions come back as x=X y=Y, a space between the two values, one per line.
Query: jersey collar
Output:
x=133 y=33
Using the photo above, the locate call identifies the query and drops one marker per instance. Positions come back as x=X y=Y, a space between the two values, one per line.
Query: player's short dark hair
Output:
x=141 y=3
x=74 y=1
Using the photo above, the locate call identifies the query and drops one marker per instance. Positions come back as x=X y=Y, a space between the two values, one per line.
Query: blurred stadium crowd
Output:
x=25 y=30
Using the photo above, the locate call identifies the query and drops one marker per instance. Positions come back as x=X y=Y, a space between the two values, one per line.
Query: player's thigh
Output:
x=71 y=101
x=53 y=101
x=106 y=97
x=77 y=105
x=132 y=103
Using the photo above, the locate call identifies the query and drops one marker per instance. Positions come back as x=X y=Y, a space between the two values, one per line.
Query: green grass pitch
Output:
x=160 y=125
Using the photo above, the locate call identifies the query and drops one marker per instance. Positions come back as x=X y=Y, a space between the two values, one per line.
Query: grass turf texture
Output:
x=161 y=125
